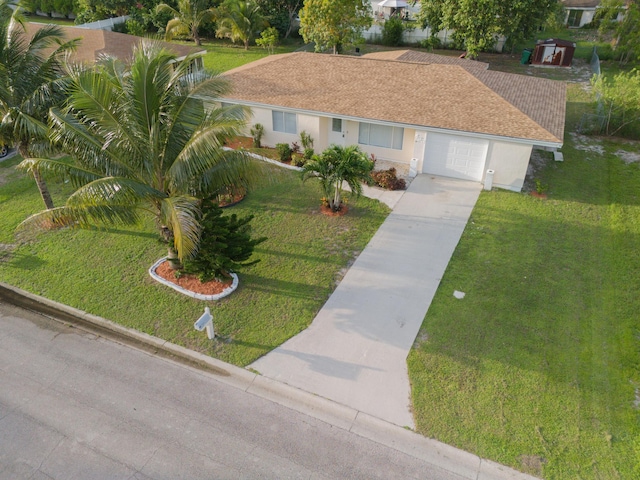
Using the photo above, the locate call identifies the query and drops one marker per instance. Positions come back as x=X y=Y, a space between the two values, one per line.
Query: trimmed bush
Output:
x=388 y=179
x=284 y=152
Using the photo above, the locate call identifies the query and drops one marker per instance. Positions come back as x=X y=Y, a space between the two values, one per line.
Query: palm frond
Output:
x=75 y=217
x=77 y=176
x=181 y=214
x=113 y=191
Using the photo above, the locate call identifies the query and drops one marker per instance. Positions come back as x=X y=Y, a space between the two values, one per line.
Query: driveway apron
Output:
x=355 y=350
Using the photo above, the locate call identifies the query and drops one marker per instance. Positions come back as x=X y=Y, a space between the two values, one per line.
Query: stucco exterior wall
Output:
x=390 y=154
x=308 y=123
x=509 y=162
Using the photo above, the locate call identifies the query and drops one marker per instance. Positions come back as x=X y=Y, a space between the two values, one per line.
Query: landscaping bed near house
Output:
x=105 y=272
x=538 y=366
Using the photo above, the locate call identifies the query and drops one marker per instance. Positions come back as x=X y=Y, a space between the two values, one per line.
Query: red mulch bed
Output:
x=191 y=282
x=325 y=210
x=240 y=142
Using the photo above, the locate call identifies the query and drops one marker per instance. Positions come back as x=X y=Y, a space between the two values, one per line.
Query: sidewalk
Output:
x=354 y=352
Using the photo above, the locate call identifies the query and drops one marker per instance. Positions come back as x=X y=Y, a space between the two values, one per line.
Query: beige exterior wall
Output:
x=308 y=123
x=389 y=154
x=509 y=161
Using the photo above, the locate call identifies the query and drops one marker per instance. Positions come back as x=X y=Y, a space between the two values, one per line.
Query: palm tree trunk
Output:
x=44 y=190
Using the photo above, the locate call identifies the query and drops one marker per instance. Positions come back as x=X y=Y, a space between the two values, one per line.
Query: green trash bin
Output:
x=526 y=56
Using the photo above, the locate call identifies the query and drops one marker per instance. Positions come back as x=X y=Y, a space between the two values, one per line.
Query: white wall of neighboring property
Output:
x=509 y=161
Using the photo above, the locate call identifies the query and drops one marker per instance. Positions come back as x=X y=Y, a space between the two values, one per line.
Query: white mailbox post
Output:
x=205 y=321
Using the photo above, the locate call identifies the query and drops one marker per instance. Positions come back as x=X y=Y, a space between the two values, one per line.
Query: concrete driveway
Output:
x=355 y=350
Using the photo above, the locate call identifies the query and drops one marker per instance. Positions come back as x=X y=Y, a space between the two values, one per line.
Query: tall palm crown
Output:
x=143 y=140
x=30 y=83
x=188 y=18
x=240 y=20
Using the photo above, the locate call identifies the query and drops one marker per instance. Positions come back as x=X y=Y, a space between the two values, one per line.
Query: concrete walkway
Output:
x=355 y=351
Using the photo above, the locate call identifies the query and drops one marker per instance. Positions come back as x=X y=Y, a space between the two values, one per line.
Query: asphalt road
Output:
x=74 y=405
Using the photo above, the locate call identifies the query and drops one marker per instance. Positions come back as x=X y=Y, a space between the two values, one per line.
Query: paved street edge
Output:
x=451 y=459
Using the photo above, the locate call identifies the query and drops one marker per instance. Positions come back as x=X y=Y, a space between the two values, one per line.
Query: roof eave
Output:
x=529 y=141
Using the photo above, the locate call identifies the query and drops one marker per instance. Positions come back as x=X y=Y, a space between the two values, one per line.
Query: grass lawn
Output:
x=538 y=366
x=105 y=273
x=223 y=56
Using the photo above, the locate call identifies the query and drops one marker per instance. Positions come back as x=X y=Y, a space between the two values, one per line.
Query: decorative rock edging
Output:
x=226 y=292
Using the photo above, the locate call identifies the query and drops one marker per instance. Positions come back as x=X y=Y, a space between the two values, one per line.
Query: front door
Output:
x=337 y=131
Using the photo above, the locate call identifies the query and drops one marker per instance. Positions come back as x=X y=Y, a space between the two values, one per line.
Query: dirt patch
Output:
x=325 y=210
x=539 y=158
x=628 y=157
x=532 y=463
x=587 y=144
x=240 y=142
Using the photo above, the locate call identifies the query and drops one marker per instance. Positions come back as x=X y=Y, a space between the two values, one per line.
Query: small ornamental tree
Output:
x=336 y=165
x=268 y=39
x=225 y=244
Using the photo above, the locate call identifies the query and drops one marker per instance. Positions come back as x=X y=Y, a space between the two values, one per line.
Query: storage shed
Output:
x=553 y=52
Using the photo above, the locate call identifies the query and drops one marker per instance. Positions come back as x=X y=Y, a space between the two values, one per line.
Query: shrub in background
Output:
x=284 y=152
x=257 y=132
x=392 y=32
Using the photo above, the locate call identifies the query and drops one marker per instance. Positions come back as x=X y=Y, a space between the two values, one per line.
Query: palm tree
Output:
x=336 y=165
x=143 y=141
x=240 y=20
x=188 y=18
x=30 y=83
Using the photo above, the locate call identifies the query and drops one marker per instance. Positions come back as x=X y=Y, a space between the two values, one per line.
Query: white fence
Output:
x=106 y=24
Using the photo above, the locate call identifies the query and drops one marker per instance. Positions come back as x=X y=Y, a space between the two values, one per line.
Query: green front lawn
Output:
x=538 y=366
x=105 y=273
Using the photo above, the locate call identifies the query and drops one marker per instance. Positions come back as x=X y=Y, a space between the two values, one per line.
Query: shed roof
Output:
x=105 y=42
x=556 y=41
x=410 y=93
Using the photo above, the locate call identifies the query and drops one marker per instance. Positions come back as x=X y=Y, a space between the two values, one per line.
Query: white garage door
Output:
x=453 y=156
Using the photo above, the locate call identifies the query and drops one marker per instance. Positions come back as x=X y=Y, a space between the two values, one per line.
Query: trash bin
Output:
x=526 y=56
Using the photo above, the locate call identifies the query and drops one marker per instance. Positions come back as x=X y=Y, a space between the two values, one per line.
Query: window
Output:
x=380 y=136
x=284 y=122
x=336 y=125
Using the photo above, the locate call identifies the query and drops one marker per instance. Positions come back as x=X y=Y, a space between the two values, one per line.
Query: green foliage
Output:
x=284 y=152
x=257 y=132
x=142 y=142
x=431 y=43
x=476 y=23
x=240 y=20
x=334 y=23
x=626 y=32
x=392 y=31
x=620 y=96
x=225 y=244
x=134 y=27
x=388 y=179
x=336 y=165
x=187 y=18
x=308 y=153
x=280 y=14
x=306 y=140
x=268 y=39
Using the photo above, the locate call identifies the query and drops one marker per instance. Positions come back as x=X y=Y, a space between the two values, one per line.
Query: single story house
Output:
x=441 y=116
x=580 y=12
x=96 y=43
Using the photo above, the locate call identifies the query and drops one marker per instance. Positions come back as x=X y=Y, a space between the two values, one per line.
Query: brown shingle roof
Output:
x=95 y=43
x=430 y=95
x=424 y=57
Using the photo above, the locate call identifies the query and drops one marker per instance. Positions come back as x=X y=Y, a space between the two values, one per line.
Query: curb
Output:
x=464 y=464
